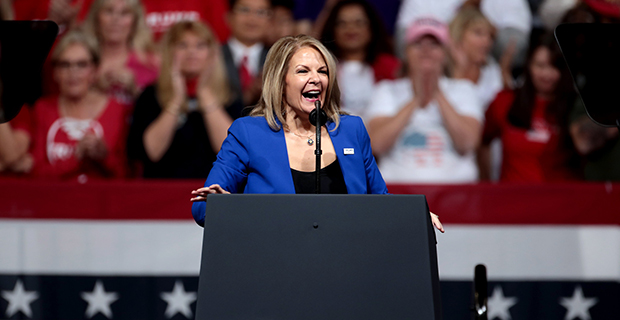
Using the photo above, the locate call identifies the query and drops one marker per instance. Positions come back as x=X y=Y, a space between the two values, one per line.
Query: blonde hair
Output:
x=217 y=81
x=140 y=39
x=466 y=17
x=271 y=104
x=77 y=36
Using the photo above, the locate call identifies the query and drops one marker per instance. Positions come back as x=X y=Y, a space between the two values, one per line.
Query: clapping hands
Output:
x=91 y=147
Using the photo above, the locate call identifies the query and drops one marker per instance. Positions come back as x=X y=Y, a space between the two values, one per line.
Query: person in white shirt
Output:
x=472 y=36
x=425 y=128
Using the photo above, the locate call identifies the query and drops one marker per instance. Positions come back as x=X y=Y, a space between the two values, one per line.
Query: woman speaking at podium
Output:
x=272 y=150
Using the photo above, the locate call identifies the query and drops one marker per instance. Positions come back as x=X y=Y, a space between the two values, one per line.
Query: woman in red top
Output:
x=128 y=62
x=531 y=122
x=79 y=133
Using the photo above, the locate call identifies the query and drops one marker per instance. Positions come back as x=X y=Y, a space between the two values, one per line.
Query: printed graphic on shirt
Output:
x=121 y=95
x=161 y=21
x=540 y=132
x=425 y=148
x=64 y=135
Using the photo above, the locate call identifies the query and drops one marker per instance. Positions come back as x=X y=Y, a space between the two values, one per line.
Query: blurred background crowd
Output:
x=451 y=91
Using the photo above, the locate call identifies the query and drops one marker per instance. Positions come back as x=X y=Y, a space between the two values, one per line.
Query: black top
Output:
x=190 y=154
x=332 y=181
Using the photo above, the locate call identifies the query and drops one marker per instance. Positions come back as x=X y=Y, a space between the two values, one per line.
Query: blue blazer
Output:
x=254 y=159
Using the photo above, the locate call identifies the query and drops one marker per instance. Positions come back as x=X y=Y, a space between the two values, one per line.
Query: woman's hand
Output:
x=121 y=77
x=201 y=194
x=425 y=87
x=179 y=90
x=91 y=147
x=436 y=222
x=589 y=137
x=207 y=98
x=23 y=165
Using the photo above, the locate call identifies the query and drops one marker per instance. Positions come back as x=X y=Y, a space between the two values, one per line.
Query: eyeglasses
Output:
x=246 y=11
x=78 y=65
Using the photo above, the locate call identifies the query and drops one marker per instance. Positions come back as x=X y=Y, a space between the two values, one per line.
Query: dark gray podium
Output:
x=315 y=257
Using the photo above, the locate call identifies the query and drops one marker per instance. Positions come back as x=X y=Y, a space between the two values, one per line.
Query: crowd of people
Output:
x=450 y=91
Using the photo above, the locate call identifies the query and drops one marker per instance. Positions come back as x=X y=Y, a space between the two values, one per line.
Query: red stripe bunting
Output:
x=504 y=204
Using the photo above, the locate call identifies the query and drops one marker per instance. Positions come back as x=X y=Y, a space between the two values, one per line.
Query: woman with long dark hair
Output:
x=532 y=121
x=355 y=34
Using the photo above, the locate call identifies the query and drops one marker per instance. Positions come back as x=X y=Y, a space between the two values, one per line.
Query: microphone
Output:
x=318 y=110
x=480 y=293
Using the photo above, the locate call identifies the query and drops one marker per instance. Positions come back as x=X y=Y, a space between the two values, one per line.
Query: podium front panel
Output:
x=318 y=257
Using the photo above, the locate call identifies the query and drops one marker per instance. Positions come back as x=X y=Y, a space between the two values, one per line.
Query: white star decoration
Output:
x=178 y=301
x=99 y=301
x=19 y=300
x=578 y=306
x=499 y=305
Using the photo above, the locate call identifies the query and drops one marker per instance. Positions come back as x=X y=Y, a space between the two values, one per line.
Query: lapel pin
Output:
x=349 y=151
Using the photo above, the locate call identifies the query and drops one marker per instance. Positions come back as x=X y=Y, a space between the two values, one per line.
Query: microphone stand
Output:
x=318 y=118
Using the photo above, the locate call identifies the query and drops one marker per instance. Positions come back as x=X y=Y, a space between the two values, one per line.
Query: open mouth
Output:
x=312 y=95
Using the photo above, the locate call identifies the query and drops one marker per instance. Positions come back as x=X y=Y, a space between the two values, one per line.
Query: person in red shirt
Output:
x=128 y=63
x=78 y=134
x=160 y=14
x=532 y=122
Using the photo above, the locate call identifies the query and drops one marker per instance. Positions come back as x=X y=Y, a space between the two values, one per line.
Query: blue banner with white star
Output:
x=101 y=297
x=134 y=297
